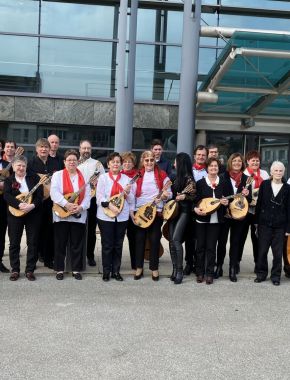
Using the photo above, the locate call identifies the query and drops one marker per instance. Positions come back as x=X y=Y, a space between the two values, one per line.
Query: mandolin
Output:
x=288 y=249
x=146 y=214
x=4 y=173
x=239 y=207
x=148 y=249
x=27 y=197
x=255 y=194
x=210 y=205
x=62 y=212
x=118 y=200
x=46 y=186
x=170 y=210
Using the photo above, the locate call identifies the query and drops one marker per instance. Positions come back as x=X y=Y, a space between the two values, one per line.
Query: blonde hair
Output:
x=147 y=153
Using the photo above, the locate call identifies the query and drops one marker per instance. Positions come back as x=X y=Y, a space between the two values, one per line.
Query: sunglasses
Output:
x=149 y=160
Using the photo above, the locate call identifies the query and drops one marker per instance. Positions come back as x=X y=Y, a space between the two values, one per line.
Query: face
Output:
x=254 y=163
x=237 y=164
x=53 y=142
x=9 y=149
x=149 y=162
x=85 y=150
x=213 y=168
x=115 y=165
x=42 y=151
x=200 y=156
x=19 y=168
x=157 y=151
x=128 y=164
x=213 y=152
x=277 y=172
x=71 y=162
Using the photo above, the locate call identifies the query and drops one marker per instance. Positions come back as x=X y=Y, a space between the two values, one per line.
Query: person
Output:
x=42 y=164
x=113 y=229
x=235 y=182
x=161 y=161
x=53 y=151
x=3 y=213
x=21 y=182
x=149 y=185
x=199 y=171
x=88 y=166
x=69 y=232
x=129 y=168
x=177 y=225
x=213 y=151
x=208 y=226
x=273 y=217
x=253 y=160
x=9 y=150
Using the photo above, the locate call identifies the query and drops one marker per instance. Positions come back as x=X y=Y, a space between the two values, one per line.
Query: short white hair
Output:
x=277 y=164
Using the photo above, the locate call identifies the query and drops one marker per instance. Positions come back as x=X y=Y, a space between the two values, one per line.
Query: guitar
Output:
x=170 y=210
x=27 y=197
x=4 y=173
x=118 y=200
x=239 y=207
x=146 y=214
x=148 y=248
x=62 y=212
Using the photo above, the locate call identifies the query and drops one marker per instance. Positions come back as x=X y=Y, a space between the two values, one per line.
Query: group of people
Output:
x=60 y=200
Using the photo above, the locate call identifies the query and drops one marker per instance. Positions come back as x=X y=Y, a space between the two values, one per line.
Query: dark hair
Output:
x=210 y=160
x=70 y=152
x=232 y=157
x=10 y=142
x=253 y=154
x=112 y=155
x=42 y=142
x=156 y=142
x=85 y=140
x=200 y=147
x=183 y=170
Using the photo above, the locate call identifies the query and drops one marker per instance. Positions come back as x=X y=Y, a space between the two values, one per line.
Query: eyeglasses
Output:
x=128 y=162
x=149 y=160
x=71 y=160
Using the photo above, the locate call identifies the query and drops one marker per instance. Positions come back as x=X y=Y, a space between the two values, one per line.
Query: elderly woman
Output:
x=273 y=216
x=150 y=185
x=22 y=182
x=69 y=228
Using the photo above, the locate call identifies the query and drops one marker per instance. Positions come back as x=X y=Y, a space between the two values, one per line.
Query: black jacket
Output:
x=229 y=187
x=36 y=165
x=165 y=165
x=273 y=211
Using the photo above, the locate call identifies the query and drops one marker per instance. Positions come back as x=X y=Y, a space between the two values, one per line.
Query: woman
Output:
x=183 y=180
x=208 y=226
x=253 y=159
x=69 y=232
x=149 y=186
x=22 y=182
x=235 y=182
x=273 y=216
x=113 y=229
x=129 y=168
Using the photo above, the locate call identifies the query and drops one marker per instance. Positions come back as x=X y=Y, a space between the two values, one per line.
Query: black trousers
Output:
x=92 y=225
x=190 y=243
x=73 y=233
x=112 y=238
x=177 y=227
x=46 y=233
x=131 y=232
x=250 y=221
x=3 y=226
x=207 y=236
x=154 y=235
x=274 y=238
x=16 y=225
x=235 y=227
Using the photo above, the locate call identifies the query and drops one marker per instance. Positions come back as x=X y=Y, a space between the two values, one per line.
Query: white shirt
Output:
x=23 y=185
x=255 y=192
x=103 y=194
x=56 y=194
x=213 y=217
x=88 y=168
x=198 y=174
x=276 y=187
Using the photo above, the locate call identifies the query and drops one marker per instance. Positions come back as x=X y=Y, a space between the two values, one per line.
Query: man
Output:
x=9 y=150
x=88 y=166
x=199 y=171
x=42 y=163
x=213 y=151
x=54 y=146
x=157 y=150
x=3 y=215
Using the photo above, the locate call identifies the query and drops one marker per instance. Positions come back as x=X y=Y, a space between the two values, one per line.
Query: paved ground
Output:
x=142 y=329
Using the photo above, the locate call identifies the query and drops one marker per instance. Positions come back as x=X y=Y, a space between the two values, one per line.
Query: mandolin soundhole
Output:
x=148 y=213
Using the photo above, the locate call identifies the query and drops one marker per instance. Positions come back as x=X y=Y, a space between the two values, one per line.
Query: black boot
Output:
x=179 y=264
x=233 y=274
x=173 y=260
x=218 y=272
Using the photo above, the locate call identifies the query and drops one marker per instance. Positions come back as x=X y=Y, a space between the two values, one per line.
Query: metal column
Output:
x=188 y=77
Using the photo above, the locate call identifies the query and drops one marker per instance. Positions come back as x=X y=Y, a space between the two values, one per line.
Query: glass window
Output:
x=263 y=4
x=75 y=67
x=174 y=27
x=207 y=58
x=142 y=138
x=144 y=71
x=72 y=19
x=250 y=21
x=274 y=148
x=146 y=25
x=227 y=143
x=19 y=16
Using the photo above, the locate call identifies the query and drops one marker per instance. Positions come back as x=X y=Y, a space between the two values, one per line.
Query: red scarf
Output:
x=130 y=173
x=67 y=186
x=199 y=167
x=257 y=177
x=116 y=188
x=159 y=175
x=237 y=177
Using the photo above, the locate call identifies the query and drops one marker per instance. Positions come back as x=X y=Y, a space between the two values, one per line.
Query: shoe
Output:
x=178 y=278
x=92 y=262
x=117 y=276
x=209 y=280
x=287 y=274
x=40 y=259
x=59 y=276
x=199 y=279
x=187 y=270
x=77 y=276
x=259 y=279
x=238 y=268
x=138 y=275
x=218 y=272
x=3 y=269
x=232 y=274
x=106 y=277
x=155 y=278
x=276 y=282
x=49 y=265
x=173 y=274
x=30 y=276
x=14 y=276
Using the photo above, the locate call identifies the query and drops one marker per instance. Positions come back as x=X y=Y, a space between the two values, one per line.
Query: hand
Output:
x=245 y=192
x=164 y=195
x=71 y=207
x=287 y=233
x=1 y=185
x=113 y=208
x=127 y=189
x=26 y=207
x=180 y=197
x=199 y=211
x=224 y=201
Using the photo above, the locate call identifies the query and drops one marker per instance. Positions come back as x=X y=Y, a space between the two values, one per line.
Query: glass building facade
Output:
x=67 y=50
